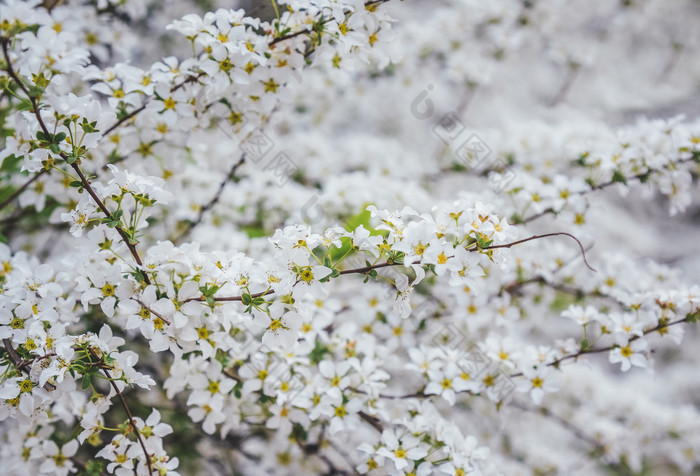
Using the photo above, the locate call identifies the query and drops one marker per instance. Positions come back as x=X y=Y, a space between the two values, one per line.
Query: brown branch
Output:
x=200 y=74
x=374 y=421
x=23 y=366
x=214 y=200
x=573 y=429
x=131 y=418
x=554 y=363
x=158 y=315
x=598 y=350
x=19 y=191
x=515 y=286
x=231 y=375
x=601 y=186
x=537 y=237
x=133 y=113
x=368 y=269
x=74 y=165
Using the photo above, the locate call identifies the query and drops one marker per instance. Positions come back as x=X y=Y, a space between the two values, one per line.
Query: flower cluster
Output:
x=275 y=243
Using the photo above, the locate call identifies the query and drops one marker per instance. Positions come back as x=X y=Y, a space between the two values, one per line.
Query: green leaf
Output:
x=94 y=468
x=87 y=380
x=318 y=352
x=254 y=231
x=619 y=177
x=59 y=137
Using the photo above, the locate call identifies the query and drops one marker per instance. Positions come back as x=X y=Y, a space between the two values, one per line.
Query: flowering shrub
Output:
x=287 y=249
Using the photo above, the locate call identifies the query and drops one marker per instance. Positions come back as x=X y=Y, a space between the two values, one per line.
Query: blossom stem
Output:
x=131 y=420
x=74 y=165
x=20 y=364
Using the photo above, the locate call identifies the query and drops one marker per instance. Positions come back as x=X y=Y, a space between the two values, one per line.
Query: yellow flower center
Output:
x=169 y=103
x=225 y=65
x=307 y=275
x=108 y=290
x=270 y=86
x=26 y=385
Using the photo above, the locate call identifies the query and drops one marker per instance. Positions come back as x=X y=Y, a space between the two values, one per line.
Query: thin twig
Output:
x=23 y=366
x=131 y=420
x=368 y=269
x=536 y=237
x=576 y=431
x=74 y=165
x=157 y=314
x=554 y=363
x=598 y=350
x=214 y=200
x=640 y=176
x=19 y=191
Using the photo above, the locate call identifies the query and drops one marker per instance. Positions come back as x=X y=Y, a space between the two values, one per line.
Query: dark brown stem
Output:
x=554 y=363
x=598 y=350
x=537 y=237
x=133 y=113
x=19 y=191
x=74 y=165
x=131 y=420
x=21 y=365
x=374 y=421
x=158 y=315
x=367 y=269
x=600 y=186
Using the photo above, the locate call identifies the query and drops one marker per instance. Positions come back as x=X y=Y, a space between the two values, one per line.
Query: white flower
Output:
x=630 y=353
x=537 y=381
x=401 y=451
x=58 y=460
x=281 y=328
